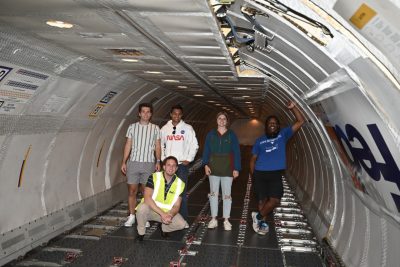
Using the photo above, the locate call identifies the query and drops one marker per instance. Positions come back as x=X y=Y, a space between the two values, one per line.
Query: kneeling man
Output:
x=162 y=200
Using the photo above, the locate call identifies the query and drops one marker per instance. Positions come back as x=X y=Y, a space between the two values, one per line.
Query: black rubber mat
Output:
x=259 y=257
x=211 y=255
x=51 y=256
x=104 y=251
x=302 y=259
x=152 y=253
x=127 y=232
x=75 y=243
x=220 y=236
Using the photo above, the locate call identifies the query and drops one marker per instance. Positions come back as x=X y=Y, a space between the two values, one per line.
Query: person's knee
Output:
x=142 y=209
x=181 y=224
x=133 y=191
x=227 y=197
x=213 y=195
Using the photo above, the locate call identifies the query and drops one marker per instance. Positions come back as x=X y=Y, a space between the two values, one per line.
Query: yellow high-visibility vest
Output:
x=175 y=190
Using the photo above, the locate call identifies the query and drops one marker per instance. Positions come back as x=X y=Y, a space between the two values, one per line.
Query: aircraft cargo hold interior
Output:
x=74 y=72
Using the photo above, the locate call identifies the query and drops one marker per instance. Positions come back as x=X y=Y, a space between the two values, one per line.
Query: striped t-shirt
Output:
x=143 y=141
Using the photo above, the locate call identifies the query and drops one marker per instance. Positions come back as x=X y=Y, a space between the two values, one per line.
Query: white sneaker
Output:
x=147 y=224
x=227 y=225
x=186 y=225
x=256 y=222
x=264 y=228
x=213 y=223
x=130 y=220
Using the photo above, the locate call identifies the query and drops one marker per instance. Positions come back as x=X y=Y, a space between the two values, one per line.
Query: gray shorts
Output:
x=139 y=172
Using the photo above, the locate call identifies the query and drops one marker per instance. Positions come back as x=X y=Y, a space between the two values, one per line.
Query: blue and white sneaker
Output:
x=256 y=222
x=263 y=228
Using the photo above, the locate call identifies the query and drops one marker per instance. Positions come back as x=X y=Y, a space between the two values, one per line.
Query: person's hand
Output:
x=123 y=168
x=166 y=218
x=235 y=174
x=291 y=105
x=207 y=170
x=185 y=162
x=158 y=166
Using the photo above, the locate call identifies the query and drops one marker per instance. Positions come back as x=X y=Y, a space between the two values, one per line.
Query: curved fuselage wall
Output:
x=63 y=121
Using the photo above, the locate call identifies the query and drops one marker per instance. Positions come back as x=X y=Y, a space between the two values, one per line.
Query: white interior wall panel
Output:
x=28 y=196
x=374 y=82
x=60 y=184
x=342 y=242
x=55 y=100
x=390 y=240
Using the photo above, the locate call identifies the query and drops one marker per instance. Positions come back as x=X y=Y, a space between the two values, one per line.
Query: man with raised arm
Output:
x=267 y=165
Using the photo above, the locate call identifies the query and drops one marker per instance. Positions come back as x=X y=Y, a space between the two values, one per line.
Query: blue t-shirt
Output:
x=271 y=152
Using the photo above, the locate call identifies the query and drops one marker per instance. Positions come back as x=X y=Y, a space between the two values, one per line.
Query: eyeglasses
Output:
x=174 y=131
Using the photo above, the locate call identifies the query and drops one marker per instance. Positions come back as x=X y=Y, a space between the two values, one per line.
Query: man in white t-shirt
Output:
x=178 y=139
x=143 y=139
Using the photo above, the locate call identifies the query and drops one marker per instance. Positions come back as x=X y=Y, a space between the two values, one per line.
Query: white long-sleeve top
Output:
x=183 y=144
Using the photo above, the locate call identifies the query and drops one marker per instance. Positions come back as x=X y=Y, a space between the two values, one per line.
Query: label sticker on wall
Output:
x=362 y=16
x=4 y=71
x=107 y=98
x=18 y=86
x=95 y=112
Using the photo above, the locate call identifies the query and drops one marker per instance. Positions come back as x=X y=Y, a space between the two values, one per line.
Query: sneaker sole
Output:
x=262 y=232
x=255 y=221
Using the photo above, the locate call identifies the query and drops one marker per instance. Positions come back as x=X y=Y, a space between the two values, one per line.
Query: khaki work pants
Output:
x=144 y=213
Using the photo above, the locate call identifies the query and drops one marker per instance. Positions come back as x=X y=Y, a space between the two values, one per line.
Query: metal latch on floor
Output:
x=186 y=252
x=70 y=256
x=118 y=261
x=191 y=240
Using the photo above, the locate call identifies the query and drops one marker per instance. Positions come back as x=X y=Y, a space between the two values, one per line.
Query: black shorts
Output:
x=268 y=184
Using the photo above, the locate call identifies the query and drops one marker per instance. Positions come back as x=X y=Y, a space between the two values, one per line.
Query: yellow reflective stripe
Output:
x=164 y=206
x=157 y=185
x=177 y=191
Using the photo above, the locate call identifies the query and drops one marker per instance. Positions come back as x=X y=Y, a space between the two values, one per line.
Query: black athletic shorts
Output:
x=268 y=184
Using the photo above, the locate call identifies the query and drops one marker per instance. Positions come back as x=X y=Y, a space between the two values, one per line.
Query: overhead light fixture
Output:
x=242 y=88
x=171 y=81
x=129 y=60
x=211 y=101
x=198 y=95
x=153 y=72
x=247 y=102
x=218 y=104
x=59 y=24
x=245 y=96
x=182 y=86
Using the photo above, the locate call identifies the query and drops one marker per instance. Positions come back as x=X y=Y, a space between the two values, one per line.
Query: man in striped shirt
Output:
x=143 y=139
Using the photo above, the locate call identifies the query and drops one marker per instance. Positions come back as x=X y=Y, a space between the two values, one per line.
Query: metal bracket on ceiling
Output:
x=261 y=42
x=277 y=6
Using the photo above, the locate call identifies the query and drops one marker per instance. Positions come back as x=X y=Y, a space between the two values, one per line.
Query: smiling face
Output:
x=176 y=116
x=145 y=114
x=222 y=121
x=170 y=167
x=272 y=127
